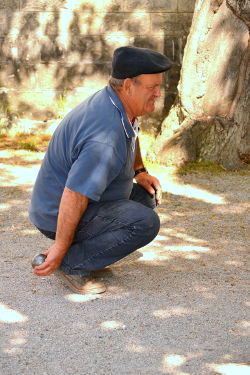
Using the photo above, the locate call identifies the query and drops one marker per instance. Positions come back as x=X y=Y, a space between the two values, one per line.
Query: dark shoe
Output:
x=81 y=284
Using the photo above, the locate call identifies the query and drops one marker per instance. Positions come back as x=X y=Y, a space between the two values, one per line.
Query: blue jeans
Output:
x=109 y=231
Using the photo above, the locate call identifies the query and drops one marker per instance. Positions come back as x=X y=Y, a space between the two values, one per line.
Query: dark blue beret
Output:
x=131 y=61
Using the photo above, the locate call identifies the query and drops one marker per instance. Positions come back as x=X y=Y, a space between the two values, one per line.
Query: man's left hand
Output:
x=151 y=184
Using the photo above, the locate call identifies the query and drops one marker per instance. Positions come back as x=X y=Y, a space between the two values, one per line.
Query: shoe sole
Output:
x=71 y=286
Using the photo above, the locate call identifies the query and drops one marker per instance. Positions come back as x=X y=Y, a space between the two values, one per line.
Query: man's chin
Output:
x=146 y=110
x=150 y=108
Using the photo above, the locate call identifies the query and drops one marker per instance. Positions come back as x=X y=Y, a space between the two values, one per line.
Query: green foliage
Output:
x=207 y=167
x=201 y=166
x=61 y=105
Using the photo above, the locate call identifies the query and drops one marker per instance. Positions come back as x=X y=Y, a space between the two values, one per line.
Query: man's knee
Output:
x=144 y=221
x=148 y=225
x=152 y=224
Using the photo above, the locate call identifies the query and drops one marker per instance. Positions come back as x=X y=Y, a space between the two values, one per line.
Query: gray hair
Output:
x=115 y=83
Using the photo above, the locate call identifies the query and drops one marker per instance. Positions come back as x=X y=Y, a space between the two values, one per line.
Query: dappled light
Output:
x=182 y=236
x=177 y=306
x=172 y=184
x=177 y=188
x=184 y=248
x=18 y=341
x=190 y=191
x=174 y=360
x=56 y=53
x=114 y=292
x=171 y=364
x=28 y=231
x=232 y=208
x=152 y=255
x=162 y=249
x=112 y=324
x=242 y=328
x=18 y=168
x=166 y=302
x=97 y=4
x=231 y=369
x=80 y=298
x=172 y=311
x=191 y=256
x=5 y=206
x=13 y=351
x=118 y=38
x=19 y=175
x=205 y=292
x=135 y=347
x=234 y=263
x=9 y=315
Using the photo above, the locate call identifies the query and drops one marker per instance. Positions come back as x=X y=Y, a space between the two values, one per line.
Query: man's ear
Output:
x=127 y=85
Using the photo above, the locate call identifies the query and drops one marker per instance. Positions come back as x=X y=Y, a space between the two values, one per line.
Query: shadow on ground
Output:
x=177 y=306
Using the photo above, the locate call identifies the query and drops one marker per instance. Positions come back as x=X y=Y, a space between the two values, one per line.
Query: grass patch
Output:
x=24 y=141
x=206 y=167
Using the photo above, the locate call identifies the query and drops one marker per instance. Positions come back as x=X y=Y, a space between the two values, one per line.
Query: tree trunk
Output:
x=210 y=119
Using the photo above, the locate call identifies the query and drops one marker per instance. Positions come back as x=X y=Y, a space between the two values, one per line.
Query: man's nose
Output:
x=157 y=91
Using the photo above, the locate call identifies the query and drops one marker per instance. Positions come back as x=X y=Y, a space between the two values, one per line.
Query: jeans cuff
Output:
x=65 y=268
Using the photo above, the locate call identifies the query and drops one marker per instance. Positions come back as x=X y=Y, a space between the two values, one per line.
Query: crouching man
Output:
x=84 y=197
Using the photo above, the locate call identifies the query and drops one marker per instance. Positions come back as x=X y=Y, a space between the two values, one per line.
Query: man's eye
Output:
x=153 y=87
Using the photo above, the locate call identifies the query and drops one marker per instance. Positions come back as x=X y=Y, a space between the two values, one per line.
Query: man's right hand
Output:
x=71 y=209
x=52 y=262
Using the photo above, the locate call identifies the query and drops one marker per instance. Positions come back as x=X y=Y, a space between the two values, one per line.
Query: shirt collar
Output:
x=129 y=131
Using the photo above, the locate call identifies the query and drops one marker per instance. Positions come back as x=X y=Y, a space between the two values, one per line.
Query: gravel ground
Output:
x=179 y=306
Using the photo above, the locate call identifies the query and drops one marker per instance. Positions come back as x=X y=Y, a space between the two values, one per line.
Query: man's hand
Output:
x=71 y=209
x=53 y=261
x=151 y=184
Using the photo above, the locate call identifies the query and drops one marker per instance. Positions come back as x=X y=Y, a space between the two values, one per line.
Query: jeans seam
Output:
x=117 y=244
x=107 y=218
x=104 y=218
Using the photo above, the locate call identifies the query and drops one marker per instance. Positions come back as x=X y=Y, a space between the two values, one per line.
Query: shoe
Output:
x=81 y=284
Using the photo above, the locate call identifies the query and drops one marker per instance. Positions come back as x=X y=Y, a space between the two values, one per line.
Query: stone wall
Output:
x=54 y=53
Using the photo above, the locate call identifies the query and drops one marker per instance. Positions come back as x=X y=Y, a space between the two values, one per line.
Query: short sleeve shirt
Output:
x=91 y=152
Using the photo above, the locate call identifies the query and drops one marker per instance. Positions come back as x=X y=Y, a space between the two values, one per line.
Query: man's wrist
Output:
x=140 y=170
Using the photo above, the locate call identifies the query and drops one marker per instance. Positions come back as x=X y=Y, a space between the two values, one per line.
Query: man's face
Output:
x=144 y=90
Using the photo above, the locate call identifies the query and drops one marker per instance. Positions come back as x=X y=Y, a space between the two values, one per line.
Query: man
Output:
x=84 y=196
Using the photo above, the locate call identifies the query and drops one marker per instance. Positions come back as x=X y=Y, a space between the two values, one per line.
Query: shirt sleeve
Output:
x=95 y=168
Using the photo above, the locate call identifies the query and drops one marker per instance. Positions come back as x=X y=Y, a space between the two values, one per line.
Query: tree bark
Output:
x=210 y=119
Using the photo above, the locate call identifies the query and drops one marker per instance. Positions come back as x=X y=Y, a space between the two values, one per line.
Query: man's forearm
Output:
x=71 y=209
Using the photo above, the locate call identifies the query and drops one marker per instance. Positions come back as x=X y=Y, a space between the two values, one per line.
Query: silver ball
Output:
x=38 y=260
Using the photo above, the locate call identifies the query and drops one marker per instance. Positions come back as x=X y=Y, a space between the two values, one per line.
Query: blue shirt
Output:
x=91 y=152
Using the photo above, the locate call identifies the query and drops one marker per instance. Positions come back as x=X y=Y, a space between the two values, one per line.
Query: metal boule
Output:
x=38 y=260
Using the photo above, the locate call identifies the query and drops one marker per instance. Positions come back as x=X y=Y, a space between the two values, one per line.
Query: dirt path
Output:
x=179 y=306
